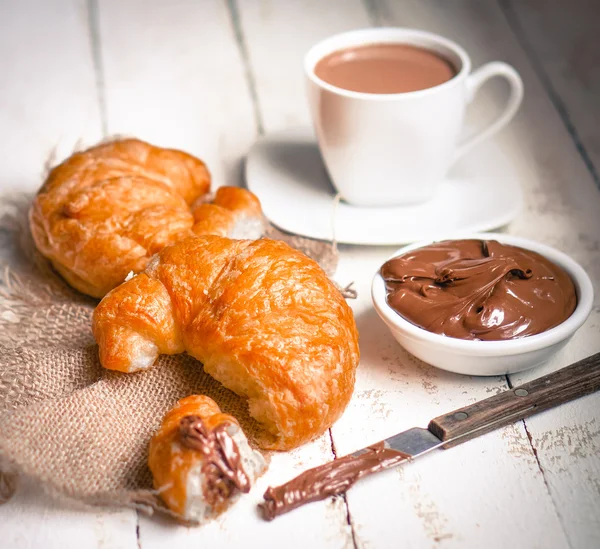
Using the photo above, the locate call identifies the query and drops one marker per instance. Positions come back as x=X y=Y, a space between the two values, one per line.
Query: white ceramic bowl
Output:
x=487 y=358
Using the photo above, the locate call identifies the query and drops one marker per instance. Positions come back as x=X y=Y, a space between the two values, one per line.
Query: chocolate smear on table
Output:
x=328 y=480
x=222 y=466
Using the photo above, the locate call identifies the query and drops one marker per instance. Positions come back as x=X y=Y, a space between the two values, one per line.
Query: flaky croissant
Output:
x=263 y=318
x=105 y=211
x=200 y=460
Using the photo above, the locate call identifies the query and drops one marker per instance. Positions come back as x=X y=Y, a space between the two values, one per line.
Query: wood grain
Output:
x=33 y=519
x=561 y=39
x=549 y=391
x=173 y=75
x=278 y=34
x=47 y=88
x=49 y=107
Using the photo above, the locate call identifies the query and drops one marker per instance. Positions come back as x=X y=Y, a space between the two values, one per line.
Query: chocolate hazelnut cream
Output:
x=479 y=290
x=328 y=480
x=222 y=464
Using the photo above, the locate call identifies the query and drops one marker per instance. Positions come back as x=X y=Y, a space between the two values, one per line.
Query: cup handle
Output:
x=474 y=81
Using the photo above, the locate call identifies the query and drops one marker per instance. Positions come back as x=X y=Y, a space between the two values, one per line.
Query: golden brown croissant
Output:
x=234 y=213
x=105 y=211
x=200 y=460
x=263 y=318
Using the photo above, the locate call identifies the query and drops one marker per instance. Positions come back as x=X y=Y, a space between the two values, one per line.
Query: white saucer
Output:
x=285 y=171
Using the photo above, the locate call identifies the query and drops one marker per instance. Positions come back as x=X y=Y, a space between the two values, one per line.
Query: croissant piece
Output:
x=200 y=460
x=234 y=213
x=105 y=211
x=263 y=318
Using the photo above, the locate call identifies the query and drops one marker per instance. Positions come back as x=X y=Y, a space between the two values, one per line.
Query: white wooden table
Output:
x=209 y=76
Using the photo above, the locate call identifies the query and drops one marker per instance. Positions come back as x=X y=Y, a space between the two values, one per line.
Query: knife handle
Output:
x=579 y=379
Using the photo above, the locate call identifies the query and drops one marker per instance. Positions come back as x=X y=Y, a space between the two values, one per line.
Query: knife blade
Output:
x=418 y=441
x=451 y=429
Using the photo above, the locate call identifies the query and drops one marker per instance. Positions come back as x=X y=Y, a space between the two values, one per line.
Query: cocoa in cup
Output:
x=384 y=68
x=388 y=107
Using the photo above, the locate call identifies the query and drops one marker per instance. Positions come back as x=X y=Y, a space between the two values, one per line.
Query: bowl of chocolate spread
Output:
x=489 y=304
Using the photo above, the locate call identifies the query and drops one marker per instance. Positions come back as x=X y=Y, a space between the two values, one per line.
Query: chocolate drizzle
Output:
x=328 y=480
x=222 y=466
x=482 y=290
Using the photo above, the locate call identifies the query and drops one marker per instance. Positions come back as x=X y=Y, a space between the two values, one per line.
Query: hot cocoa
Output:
x=384 y=68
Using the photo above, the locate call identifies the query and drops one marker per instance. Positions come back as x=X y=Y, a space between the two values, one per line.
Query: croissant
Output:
x=262 y=317
x=234 y=213
x=105 y=211
x=200 y=460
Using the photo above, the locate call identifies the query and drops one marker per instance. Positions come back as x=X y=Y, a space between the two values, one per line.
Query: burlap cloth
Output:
x=81 y=432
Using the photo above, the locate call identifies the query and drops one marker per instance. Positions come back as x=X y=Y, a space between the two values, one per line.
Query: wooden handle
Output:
x=579 y=379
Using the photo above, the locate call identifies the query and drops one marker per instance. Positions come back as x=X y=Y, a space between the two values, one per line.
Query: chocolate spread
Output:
x=481 y=290
x=328 y=480
x=222 y=465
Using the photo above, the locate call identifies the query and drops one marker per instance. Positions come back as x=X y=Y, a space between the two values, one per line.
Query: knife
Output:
x=446 y=431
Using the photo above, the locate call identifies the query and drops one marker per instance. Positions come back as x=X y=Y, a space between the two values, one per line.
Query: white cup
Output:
x=394 y=149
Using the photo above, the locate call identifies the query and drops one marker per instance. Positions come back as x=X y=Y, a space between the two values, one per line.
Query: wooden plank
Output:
x=33 y=520
x=278 y=34
x=173 y=75
x=566 y=441
x=49 y=105
x=562 y=43
x=561 y=209
x=48 y=94
x=567 y=445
